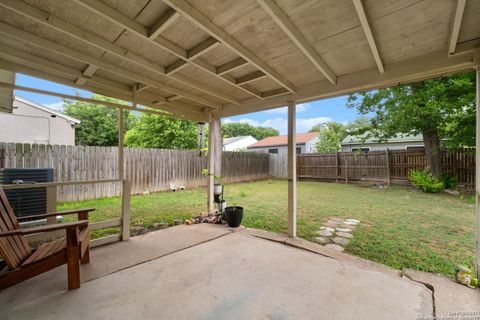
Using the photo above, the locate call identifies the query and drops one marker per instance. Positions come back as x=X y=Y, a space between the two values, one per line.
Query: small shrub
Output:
x=425 y=181
x=449 y=180
x=243 y=194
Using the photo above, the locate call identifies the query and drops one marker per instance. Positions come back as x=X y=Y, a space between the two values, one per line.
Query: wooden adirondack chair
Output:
x=22 y=263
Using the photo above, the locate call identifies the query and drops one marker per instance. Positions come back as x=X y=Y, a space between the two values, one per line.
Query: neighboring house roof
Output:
x=372 y=140
x=46 y=109
x=227 y=141
x=283 y=140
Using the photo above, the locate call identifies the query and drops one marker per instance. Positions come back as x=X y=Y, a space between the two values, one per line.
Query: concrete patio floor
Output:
x=210 y=272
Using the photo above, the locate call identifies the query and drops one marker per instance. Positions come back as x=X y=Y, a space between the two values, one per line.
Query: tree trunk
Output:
x=432 y=152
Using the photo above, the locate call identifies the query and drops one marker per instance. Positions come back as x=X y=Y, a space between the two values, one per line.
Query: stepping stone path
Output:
x=336 y=233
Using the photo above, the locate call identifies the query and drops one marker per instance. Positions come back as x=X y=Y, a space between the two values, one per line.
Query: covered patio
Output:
x=202 y=61
x=210 y=272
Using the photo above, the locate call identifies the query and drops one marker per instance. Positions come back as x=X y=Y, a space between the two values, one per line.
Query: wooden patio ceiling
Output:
x=228 y=57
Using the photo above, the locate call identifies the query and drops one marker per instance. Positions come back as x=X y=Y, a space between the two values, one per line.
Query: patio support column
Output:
x=214 y=157
x=477 y=163
x=292 y=170
x=121 y=161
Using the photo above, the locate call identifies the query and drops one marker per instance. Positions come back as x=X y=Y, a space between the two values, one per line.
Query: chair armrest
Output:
x=52 y=214
x=45 y=228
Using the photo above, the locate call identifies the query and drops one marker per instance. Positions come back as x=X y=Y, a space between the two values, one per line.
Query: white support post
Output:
x=126 y=190
x=214 y=157
x=477 y=170
x=211 y=162
x=292 y=170
x=121 y=161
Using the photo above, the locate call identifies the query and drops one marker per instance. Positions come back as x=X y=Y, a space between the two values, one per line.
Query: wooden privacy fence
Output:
x=149 y=170
x=390 y=166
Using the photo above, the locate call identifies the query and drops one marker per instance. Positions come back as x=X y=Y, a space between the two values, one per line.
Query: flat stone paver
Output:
x=344 y=235
x=324 y=233
x=341 y=241
x=236 y=276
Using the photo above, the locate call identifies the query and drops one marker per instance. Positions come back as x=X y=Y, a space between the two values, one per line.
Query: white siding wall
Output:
x=28 y=124
x=240 y=144
x=383 y=146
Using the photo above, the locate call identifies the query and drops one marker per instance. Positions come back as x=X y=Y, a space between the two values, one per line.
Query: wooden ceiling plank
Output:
x=24 y=36
x=69 y=29
x=166 y=20
x=161 y=42
x=196 y=17
x=274 y=93
x=282 y=20
x=362 y=15
x=257 y=75
x=231 y=66
x=456 y=24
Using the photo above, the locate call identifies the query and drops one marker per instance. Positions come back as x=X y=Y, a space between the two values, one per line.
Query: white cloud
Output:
x=303 y=124
x=302 y=107
x=55 y=106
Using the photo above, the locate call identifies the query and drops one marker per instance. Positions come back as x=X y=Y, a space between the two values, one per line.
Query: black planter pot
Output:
x=234 y=216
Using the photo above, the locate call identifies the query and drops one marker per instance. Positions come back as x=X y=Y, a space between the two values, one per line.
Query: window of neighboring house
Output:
x=415 y=148
x=299 y=150
x=272 y=150
x=363 y=150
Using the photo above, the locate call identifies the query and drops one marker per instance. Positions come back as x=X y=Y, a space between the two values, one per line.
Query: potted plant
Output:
x=234 y=216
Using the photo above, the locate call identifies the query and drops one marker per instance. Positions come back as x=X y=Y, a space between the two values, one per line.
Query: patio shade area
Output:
x=198 y=58
x=209 y=272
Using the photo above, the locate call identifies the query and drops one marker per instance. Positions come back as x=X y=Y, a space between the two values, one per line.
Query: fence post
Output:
x=347 y=157
x=126 y=190
x=336 y=167
x=51 y=203
x=387 y=155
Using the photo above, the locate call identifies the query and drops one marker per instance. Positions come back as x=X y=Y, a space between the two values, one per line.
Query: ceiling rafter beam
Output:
x=160 y=42
x=180 y=110
x=456 y=24
x=196 y=17
x=19 y=34
x=254 y=76
x=362 y=15
x=231 y=66
x=201 y=48
x=287 y=26
x=166 y=20
x=71 y=30
x=87 y=73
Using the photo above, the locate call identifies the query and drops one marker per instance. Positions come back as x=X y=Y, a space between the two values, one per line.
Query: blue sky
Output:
x=308 y=114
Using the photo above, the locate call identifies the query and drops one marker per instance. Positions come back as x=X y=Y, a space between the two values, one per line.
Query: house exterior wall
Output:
x=308 y=147
x=28 y=124
x=281 y=149
x=240 y=144
x=383 y=146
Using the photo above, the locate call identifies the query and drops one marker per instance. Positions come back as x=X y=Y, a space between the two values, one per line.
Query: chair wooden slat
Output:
x=46 y=250
x=6 y=212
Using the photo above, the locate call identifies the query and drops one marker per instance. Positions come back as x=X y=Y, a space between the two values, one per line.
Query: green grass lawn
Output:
x=400 y=227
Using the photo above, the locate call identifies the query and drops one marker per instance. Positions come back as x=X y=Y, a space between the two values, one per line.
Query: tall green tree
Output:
x=328 y=141
x=332 y=134
x=436 y=108
x=99 y=124
x=153 y=131
x=237 y=129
